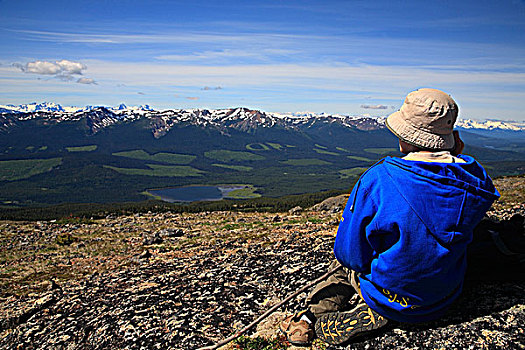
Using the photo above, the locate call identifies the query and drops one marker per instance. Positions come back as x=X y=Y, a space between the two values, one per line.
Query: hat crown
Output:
x=430 y=110
x=426 y=119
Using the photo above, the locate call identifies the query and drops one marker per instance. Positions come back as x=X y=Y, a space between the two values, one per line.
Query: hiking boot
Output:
x=298 y=332
x=336 y=328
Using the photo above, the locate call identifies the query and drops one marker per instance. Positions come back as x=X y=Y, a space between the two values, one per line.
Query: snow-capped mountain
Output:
x=491 y=125
x=38 y=107
x=54 y=107
x=161 y=121
x=243 y=119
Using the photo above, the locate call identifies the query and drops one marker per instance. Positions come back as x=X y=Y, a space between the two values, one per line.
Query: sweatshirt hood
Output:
x=461 y=193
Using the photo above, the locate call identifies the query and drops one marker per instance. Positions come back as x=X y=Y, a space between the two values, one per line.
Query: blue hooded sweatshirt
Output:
x=405 y=230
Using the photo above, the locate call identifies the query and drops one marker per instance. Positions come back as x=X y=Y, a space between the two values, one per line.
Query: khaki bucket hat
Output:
x=426 y=120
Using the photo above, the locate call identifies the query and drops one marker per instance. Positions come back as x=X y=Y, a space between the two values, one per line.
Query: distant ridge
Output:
x=161 y=121
x=239 y=118
x=491 y=125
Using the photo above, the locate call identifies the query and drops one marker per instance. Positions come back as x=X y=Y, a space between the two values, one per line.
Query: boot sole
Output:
x=339 y=327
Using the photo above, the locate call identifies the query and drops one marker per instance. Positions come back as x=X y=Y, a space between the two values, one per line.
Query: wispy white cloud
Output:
x=339 y=77
x=39 y=67
x=254 y=53
x=86 y=81
x=70 y=67
x=155 y=38
x=308 y=82
x=63 y=70
x=207 y=88
x=374 y=106
x=206 y=55
x=234 y=47
x=62 y=67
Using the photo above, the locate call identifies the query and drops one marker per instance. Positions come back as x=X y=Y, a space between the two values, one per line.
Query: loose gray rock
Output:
x=332 y=204
x=154 y=239
x=170 y=233
x=295 y=210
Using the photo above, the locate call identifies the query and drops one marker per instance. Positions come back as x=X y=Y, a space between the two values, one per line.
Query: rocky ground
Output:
x=182 y=281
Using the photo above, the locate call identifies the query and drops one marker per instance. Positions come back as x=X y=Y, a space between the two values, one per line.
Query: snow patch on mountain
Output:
x=491 y=125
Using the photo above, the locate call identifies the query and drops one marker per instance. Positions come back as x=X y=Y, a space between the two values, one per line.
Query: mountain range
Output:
x=206 y=117
x=50 y=154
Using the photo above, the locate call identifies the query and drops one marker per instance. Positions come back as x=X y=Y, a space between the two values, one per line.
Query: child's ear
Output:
x=458 y=144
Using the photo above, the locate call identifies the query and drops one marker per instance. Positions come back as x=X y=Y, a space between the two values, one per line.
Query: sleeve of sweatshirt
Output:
x=352 y=247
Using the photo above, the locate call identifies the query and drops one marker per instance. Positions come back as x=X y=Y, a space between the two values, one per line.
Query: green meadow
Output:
x=362 y=159
x=275 y=145
x=352 y=172
x=243 y=193
x=231 y=156
x=264 y=146
x=257 y=147
x=305 y=162
x=162 y=157
x=234 y=167
x=380 y=151
x=11 y=170
x=322 y=151
x=89 y=148
x=160 y=170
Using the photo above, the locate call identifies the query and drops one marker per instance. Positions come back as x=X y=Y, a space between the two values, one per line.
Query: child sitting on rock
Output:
x=403 y=236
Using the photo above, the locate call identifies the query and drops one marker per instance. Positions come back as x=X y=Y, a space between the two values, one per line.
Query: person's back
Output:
x=404 y=232
x=416 y=219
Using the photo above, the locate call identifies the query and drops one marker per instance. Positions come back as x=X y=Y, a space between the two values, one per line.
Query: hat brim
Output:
x=396 y=123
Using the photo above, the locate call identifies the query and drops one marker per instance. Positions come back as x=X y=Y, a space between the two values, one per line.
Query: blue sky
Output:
x=349 y=57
